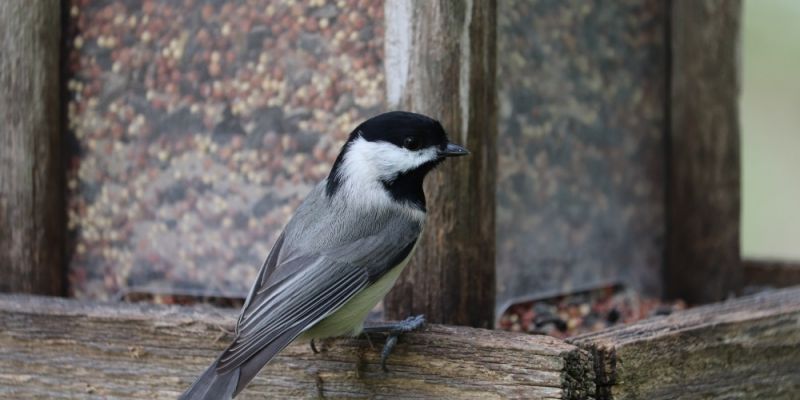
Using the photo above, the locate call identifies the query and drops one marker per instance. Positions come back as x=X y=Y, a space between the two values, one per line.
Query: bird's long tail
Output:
x=213 y=386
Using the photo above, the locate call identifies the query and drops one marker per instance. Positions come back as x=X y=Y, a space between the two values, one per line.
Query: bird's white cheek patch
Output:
x=387 y=160
x=368 y=164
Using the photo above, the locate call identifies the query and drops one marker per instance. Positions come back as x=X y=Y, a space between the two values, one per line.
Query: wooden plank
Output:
x=440 y=61
x=59 y=348
x=703 y=190
x=32 y=176
x=743 y=348
x=773 y=273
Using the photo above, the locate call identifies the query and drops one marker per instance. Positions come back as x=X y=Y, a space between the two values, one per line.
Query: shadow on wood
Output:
x=57 y=348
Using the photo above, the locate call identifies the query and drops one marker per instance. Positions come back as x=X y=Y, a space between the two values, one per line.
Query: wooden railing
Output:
x=748 y=347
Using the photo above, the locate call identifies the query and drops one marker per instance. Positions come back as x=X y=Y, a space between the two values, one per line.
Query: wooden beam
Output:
x=744 y=348
x=441 y=62
x=59 y=348
x=703 y=190
x=32 y=175
x=749 y=347
x=773 y=273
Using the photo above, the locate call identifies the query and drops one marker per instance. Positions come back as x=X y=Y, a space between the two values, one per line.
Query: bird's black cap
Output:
x=395 y=126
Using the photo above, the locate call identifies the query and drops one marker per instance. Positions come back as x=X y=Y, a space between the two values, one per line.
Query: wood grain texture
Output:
x=748 y=348
x=32 y=176
x=57 y=348
x=451 y=77
x=703 y=193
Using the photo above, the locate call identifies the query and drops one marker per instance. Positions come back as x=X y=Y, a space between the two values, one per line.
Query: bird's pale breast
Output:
x=349 y=319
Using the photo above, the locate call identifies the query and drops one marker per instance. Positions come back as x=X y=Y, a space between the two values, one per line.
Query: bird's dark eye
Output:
x=411 y=143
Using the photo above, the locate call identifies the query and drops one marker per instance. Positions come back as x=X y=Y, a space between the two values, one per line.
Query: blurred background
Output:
x=198 y=127
x=632 y=162
x=770 y=129
x=195 y=127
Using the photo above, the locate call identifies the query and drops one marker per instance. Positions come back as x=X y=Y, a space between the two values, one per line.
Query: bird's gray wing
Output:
x=295 y=291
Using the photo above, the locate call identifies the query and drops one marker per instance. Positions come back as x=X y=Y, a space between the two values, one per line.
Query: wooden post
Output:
x=703 y=193
x=440 y=61
x=32 y=176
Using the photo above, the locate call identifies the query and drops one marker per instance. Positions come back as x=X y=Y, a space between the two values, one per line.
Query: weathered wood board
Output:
x=57 y=348
x=746 y=348
x=32 y=178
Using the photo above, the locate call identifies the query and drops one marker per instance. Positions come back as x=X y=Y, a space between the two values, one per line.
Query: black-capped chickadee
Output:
x=340 y=253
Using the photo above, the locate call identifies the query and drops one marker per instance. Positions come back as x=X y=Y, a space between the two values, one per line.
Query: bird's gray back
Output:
x=323 y=224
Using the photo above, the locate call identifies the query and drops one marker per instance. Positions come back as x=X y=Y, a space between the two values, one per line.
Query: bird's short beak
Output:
x=453 y=150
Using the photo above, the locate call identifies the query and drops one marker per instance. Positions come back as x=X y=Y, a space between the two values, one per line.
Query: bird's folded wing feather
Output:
x=296 y=291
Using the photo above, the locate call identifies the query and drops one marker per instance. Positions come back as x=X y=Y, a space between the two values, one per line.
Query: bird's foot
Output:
x=394 y=330
x=313 y=347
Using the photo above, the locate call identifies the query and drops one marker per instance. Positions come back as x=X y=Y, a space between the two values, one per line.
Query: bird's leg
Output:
x=313 y=347
x=394 y=330
x=369 y=341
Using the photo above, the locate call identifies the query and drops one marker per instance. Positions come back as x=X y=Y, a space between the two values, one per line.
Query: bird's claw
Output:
x=391 y=341
x=313 y=347
x=394 y=330
x=410 y=324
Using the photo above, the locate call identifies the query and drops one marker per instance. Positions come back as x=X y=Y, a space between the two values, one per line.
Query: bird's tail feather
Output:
x=213 y=386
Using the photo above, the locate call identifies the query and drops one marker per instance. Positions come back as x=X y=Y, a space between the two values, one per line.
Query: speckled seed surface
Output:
x=198 y=126
x=582 y=92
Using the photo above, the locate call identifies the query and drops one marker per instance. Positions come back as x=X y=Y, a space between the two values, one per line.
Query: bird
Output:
x=340 y=253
